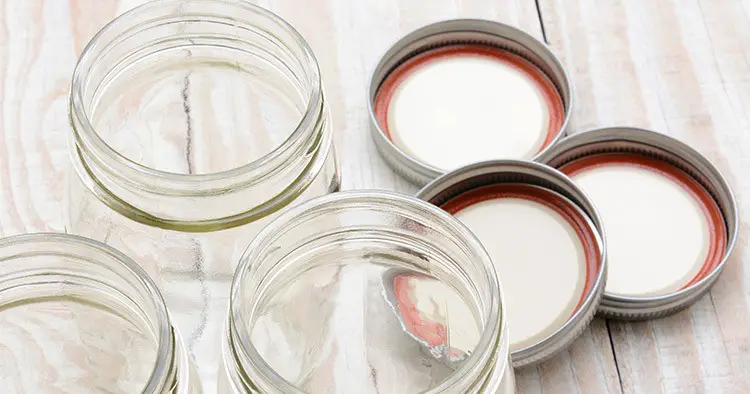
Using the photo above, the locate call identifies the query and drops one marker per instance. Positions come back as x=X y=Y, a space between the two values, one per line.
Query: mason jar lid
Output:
x=462 y=91
x=544 y=237
x=670 y=216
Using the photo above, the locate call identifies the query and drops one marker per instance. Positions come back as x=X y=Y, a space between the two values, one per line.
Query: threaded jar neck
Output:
x=214 y=36
x=92 y=297
x=379 y=228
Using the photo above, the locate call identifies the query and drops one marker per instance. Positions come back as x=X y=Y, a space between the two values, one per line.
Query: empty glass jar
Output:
x=194 y=122
x=366 y=292
x=77 y=316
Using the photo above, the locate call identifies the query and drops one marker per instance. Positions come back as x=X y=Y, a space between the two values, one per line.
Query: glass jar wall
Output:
x=365 y=292
x=80 y=317
x=193 y=123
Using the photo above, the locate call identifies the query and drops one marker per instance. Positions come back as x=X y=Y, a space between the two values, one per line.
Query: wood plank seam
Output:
x=614 y=355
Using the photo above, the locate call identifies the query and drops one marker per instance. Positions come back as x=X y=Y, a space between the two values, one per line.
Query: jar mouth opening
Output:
x=94 y=263
x=493 y=322
x=88 y=140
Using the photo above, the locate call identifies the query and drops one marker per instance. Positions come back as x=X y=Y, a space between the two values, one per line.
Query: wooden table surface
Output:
x=679 y=67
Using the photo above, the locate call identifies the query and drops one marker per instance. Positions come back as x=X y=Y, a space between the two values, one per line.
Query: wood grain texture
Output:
x=682 y=68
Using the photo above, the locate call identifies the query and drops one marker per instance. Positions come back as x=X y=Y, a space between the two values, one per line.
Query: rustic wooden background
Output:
x=681 y=67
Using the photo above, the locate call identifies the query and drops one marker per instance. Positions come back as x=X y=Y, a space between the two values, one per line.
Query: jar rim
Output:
x=87 y=138
x=493 y=334
x=35 y=243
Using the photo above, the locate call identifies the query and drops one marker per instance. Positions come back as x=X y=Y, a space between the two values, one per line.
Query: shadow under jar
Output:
x=77 y=316
x=193 y=123
x=366 y=292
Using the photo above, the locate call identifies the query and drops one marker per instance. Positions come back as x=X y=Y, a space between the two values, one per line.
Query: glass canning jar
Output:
x=193 y=123
x=77 y=316
x=365 y=292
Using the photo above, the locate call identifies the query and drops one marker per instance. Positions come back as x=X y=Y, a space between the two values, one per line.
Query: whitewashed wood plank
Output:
x=680 y=68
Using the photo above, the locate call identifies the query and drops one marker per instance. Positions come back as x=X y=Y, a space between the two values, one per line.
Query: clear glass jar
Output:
x=77 y=316
x=365 y=292
x=194 y=122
